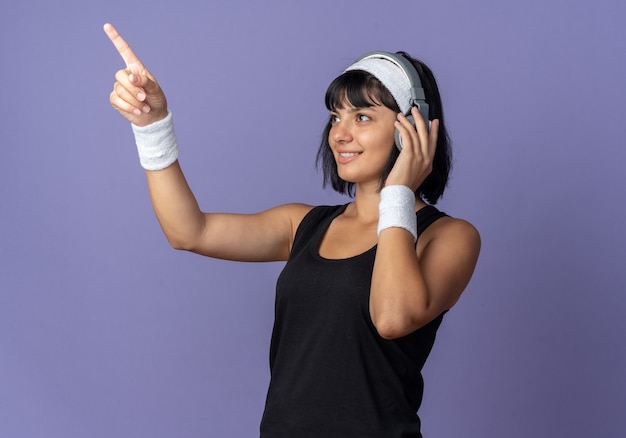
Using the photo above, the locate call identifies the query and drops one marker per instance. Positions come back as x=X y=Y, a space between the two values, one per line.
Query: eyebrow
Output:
x=355 y=109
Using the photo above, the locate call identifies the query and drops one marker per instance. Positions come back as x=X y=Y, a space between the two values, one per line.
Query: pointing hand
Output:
x=136 y=93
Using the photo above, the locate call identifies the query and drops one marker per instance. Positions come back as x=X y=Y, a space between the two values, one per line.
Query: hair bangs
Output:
x=358 y=89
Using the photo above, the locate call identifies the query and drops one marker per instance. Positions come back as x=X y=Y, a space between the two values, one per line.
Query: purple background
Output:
x=107 y=332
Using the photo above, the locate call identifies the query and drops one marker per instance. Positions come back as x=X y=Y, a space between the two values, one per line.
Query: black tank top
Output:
x=332 y=375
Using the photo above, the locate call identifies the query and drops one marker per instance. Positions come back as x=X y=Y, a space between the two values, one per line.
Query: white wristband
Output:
x=156 y=143
x=397 y=209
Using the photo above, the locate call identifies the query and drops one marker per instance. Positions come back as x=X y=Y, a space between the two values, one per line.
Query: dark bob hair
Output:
x=360 y=89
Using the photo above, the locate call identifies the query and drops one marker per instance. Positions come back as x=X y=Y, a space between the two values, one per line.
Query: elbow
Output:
x=177 y=246
x=183 y=238
x=393 y=327
x=180 y=244
x=389 y=332
x=394 y=323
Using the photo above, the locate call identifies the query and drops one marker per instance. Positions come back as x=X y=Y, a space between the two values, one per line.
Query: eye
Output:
x=334 y=118
x=363 y=118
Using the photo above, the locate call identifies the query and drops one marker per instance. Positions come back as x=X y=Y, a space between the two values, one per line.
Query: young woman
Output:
x=361 y=297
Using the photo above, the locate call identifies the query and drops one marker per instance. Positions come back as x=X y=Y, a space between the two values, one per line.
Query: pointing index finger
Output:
x=133 y=63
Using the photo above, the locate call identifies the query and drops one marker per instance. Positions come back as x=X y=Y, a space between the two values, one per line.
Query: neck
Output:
x=365 y=205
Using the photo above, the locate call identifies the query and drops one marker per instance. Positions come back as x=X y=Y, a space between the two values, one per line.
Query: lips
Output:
x=347 y=157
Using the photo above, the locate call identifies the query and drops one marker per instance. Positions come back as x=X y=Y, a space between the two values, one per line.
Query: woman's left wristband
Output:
x=397 y=209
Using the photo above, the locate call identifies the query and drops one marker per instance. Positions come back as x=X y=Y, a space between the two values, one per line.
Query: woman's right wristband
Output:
x=156 y=143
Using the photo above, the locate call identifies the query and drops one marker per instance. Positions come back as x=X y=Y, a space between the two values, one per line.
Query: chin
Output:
x=355 y=179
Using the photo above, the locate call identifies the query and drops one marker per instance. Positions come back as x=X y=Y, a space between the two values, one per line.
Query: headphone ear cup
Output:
x=397 y=133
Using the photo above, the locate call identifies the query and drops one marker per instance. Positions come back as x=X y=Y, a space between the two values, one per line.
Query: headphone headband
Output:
x=416 y=94
x=402 y=80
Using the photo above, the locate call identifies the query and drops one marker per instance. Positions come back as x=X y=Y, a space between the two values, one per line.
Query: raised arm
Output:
x=412 y=284
x=266 y=236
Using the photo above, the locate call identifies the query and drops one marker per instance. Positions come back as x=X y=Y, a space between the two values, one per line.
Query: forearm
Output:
x=175 y=206
x=414 y=282
x=173 y=202
x=399 y=301
x=138 y=97
x=398 y=297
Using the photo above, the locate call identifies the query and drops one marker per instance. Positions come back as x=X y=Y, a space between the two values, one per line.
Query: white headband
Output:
x=391 y=76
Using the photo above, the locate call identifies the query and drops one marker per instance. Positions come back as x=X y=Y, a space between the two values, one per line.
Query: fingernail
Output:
x=141 y=96
x=146 y=109
x=136 y=112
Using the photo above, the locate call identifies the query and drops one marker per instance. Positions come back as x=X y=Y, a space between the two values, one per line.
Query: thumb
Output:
x=146 y=81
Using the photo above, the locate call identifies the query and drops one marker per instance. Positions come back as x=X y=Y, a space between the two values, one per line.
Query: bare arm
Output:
x=413 y=285
x=266 y=236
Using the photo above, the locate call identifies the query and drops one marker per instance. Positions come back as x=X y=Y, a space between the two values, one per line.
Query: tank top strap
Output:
x=426 y=216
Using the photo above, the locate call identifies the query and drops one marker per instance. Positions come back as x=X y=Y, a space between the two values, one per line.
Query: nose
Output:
x=340 y=133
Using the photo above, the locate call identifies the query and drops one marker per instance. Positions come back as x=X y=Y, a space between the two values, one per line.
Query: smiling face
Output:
x=359 y=89
x=361 y=139
x=362 y=115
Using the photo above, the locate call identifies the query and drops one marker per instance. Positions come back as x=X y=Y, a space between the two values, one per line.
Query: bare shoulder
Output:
x=448 y=252
x=297 y=209
x=457 y=235
x=292 y=213
x=258 y=237
x=456 y=227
